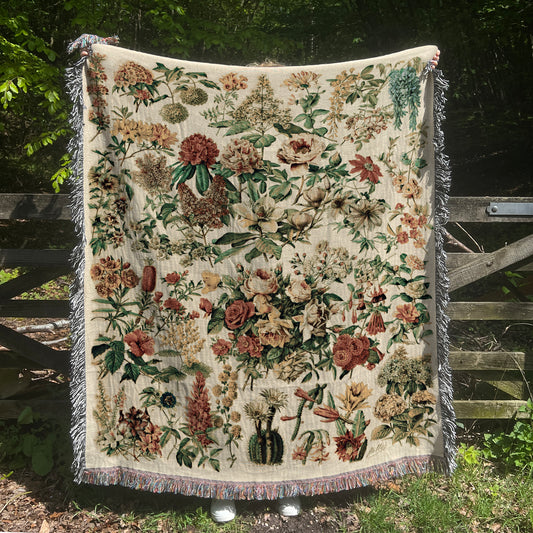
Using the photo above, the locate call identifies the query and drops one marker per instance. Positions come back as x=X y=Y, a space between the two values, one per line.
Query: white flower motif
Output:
x=263 y=213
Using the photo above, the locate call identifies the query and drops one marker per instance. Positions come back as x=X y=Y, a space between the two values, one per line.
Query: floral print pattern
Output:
x=259 y=266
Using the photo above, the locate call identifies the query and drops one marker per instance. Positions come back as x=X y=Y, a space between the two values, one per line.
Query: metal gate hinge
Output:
x=501 y=209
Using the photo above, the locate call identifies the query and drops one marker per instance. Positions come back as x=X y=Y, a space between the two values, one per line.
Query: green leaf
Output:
x=216 y=323
x=381 y=432
x=252 y=254
x=131 y=372
x=278 y=192
x=267 y=246
x=114 y=358
x=264 y=141
x=99 y=349
x=168 y=353
x=227 y=253
x=232 y=238
x=252 y=191
x=42 y=460
x=238 y=127
x=202 y=178
x=290 y=130
x=359 y=424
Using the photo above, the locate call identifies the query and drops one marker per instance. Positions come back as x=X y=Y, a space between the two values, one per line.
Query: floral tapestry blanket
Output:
x=259 y=304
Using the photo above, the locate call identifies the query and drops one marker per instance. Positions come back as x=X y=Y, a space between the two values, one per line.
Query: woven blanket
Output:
x=259 y=304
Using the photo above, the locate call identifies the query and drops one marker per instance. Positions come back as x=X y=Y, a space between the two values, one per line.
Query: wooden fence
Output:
x=506 y=372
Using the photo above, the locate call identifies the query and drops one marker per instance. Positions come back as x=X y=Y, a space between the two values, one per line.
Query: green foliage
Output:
x=514 y=450
x=469 y=454
x=31 y=441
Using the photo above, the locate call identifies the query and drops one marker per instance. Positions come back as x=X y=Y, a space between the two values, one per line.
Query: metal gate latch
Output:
x=500 y=209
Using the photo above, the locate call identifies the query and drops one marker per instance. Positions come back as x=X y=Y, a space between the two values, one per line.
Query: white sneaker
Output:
x=223 y=510
x=291 y=506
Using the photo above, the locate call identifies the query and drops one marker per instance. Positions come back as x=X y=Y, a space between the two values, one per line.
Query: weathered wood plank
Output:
x=457 y=260
x=35 y=308
x=519 y=252
x=10 y=258
x=488 y=409
x=34 y=350
x=490 y=361
x=490 y=310
x=34 y=206
x=29 y=281
x=473 y=208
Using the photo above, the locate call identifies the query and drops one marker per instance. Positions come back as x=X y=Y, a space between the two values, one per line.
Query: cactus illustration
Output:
x=266 y=445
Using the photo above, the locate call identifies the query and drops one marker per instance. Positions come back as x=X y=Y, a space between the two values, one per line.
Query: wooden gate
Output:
x=507 y=372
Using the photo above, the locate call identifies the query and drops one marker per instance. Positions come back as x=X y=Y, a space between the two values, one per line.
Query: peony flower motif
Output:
x=139 y=343
x=366 y=213
x=172 y=278
x=330 y=414
x=197 y=149
x=211 y=281
x=408 y=313
x=241 y=157
x=237 y=313
x=349 y=447
x=275 y=331
x=368 y=169
x=299 y=151
x=299 y=291
x=260 y=282
x=314 y=319
x=263 y=213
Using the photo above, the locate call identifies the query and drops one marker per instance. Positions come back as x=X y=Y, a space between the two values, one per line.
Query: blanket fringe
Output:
x=264 y=491
x=74 y=85
x=442 y=188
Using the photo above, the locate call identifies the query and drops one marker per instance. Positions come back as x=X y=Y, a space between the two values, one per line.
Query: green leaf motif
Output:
x=268 y=246
x=131 y=372
x=202 y=178
x=238 y=127
x=233 y=238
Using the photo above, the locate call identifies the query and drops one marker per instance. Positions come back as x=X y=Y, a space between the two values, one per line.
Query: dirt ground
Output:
x=29 y=503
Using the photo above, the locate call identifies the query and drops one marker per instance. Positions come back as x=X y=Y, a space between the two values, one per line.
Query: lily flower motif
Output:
x=262 y=213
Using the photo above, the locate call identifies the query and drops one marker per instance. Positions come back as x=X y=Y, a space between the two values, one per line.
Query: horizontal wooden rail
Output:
x=34 y=308
x=490 y=310
x=34 y=206
x=474 y=208
x=10 y=258
x=488 y=409
x=490 y=361
x=458 y=260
